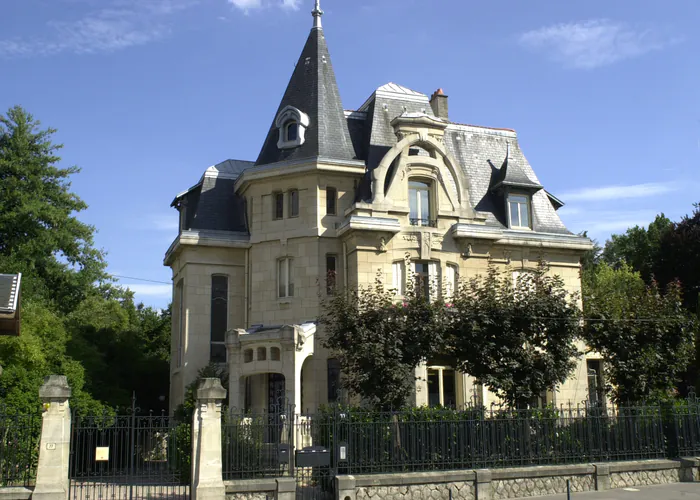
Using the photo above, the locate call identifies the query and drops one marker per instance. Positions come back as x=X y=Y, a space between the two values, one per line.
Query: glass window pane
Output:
x=449 y=394
x=293 y=203
x=219 y=308
x=333 y=380
x=424 y=205
x=433 y=388
x=514 y=217
x=331 y=200
x=413 y=203
x=524 y=215
x=292 y=131
x=218 y=353
x=282 y=277
x=290 y=287
x=279 y=205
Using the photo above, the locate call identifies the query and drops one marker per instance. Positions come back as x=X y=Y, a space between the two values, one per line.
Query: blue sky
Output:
x=147 y=94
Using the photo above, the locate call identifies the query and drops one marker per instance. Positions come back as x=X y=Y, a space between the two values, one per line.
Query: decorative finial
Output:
x=317 y=13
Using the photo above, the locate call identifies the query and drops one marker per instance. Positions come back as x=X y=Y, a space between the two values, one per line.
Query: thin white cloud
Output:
x=165 y=222
x=119 y=25
x=248 y=5
x=594 y=43
x=146 y=290
x=619 y=192
x=601 y=223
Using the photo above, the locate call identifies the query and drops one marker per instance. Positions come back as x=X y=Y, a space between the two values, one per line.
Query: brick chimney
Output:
x=438 y=102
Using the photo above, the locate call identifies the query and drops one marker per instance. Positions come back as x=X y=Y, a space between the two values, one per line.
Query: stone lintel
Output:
x=15 y=493
x=644 y=465
x=542 y=471
x=415 y=478
x=210 y=389
x=250 y=485
x=55 y=387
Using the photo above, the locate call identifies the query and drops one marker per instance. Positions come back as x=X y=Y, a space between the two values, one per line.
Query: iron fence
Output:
x=428 y=440
x=130 y=456
x=257 y=445
x=415 y=440
x=19 y=447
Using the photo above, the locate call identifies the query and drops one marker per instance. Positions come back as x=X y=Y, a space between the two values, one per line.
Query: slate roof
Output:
x=478 y=150
x=212 y=204
x=314 y=91
x=9 y=293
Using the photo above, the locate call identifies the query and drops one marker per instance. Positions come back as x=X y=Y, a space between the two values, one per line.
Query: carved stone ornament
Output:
x=506 y=257
x=382 y=245
x=468 y=251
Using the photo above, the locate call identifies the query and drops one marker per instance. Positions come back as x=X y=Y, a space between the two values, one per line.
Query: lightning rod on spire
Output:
x=317 y=13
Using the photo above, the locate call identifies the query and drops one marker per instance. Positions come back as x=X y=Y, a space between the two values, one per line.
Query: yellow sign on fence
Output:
x=102 y=454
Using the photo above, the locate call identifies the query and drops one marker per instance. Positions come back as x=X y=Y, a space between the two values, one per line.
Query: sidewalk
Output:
x=675 y=491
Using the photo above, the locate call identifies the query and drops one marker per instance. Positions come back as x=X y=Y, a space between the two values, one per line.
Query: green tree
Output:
x=644 y=335
x=378 y=342
x=75 y=321
x=39 y=233
x=639 y=247
x=518 y=337
x=679 y=257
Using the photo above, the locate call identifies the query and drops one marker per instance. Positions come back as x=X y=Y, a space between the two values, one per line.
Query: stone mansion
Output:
x=350 y=193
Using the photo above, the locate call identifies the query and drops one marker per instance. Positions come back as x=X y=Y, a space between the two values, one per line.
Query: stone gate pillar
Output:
x=207 y=473
x=54 y=445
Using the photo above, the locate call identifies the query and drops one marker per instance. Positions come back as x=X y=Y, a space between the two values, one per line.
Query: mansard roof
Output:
x=314 y=91
x=212 y=203
x=477 y=149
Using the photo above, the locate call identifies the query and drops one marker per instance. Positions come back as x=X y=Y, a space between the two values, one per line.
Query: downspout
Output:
x=345 y=265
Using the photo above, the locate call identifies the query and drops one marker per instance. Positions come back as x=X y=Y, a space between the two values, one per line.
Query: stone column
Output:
x=602 y=477
x=54 y=445
x=689 y=469
x=286 y=488
x=207 y=478
x=483 y=484
x=345 y=488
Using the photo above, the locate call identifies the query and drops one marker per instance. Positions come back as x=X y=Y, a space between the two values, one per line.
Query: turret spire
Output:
x=317 y=13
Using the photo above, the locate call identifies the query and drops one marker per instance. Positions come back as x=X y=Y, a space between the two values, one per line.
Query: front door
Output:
x=276 y=404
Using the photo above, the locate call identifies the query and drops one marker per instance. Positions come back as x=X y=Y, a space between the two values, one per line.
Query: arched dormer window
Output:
x=291 y=124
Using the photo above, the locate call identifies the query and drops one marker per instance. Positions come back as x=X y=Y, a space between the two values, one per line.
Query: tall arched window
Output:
x=419 y=201
x=219 y=318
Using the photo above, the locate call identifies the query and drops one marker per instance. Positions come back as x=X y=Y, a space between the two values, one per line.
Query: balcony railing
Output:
x=424 y=222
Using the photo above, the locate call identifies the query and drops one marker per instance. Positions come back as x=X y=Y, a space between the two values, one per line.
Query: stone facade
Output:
x=530 y=487
x=437 y=491
x=391 y=188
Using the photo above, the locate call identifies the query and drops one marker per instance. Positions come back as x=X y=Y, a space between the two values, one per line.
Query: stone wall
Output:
x=15 y=493
x=520 y=482
x=643 y=478
x=460 y=490
x=251 y=489
x=530 y=487
x=257 y=495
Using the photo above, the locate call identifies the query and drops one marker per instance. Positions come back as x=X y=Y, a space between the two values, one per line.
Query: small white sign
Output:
x=102 y=454
x=50 y=446
x=343 y=453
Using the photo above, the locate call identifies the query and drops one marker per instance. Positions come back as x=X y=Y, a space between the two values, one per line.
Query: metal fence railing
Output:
x=431 y=439
x=19 y=447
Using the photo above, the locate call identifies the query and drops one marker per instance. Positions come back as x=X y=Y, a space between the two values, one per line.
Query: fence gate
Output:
x=129 y=457
x=315 y=459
